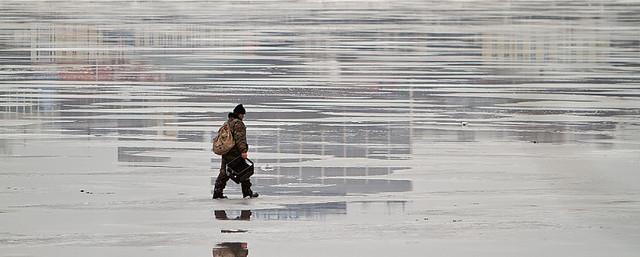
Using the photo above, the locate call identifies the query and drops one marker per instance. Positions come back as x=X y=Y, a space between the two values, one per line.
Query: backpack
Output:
x=223 y=142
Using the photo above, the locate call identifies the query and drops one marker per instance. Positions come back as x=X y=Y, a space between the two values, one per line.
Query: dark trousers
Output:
x=221 y=181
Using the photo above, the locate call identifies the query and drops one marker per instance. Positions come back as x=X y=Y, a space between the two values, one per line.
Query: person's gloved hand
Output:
x=244 y=156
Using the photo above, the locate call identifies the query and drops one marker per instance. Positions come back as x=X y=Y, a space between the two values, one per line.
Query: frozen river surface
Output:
x=379 y=128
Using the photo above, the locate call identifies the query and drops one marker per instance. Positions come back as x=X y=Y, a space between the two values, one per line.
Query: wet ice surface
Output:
x=378 y=127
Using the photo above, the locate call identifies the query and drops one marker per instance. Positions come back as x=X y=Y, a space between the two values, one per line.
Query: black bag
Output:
x=239 y=169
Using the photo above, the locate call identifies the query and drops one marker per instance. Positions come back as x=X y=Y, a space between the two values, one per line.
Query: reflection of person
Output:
x=231 y=250
x=239 y=132
x=222 y=215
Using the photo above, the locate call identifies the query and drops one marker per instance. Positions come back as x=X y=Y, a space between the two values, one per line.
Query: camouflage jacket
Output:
x=239 y=131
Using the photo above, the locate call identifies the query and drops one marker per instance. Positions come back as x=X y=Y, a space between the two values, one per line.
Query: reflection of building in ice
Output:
x=89 y=52
x=181 y=36
x=77 y=43
x=50 y=43
x=569 y=41
x=315 y=211
x=340 y=142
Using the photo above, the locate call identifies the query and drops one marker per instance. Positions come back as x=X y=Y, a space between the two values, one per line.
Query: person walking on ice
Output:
x=231 y=142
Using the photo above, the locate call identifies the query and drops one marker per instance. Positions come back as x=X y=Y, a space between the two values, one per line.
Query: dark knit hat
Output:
x=239 y=109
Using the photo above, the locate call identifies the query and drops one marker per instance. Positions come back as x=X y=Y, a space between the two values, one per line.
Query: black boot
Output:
x=218 y=195
x=251 y=195
x=219 y=188
x=246 y=189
